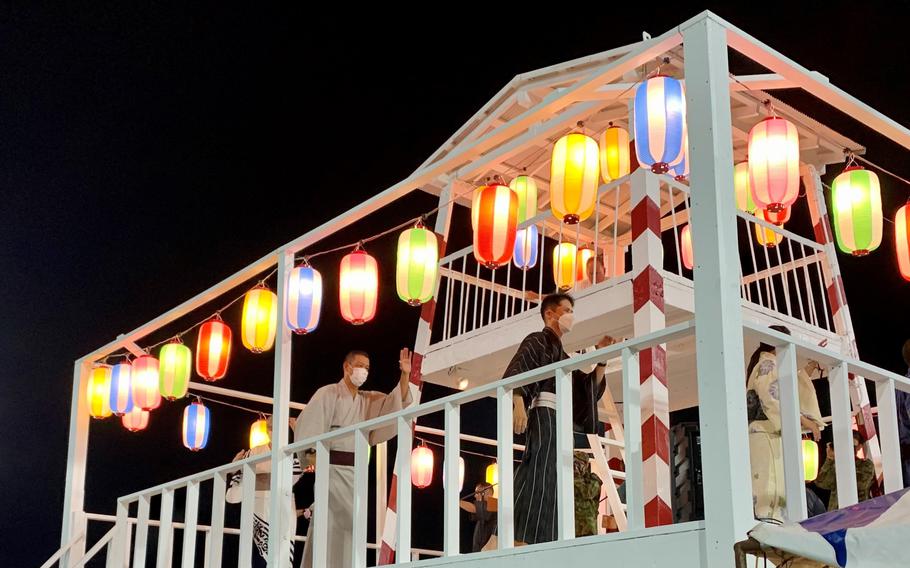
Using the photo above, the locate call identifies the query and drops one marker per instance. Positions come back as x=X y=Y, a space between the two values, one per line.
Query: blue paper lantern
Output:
x=659 y=118
x=304 y=299
x=526 y=243
x=196 y=425
x=121 y=389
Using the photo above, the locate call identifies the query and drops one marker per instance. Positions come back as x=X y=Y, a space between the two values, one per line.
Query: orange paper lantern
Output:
x=494 y=215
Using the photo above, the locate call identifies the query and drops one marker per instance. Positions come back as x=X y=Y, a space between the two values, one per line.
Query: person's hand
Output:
x=239 y=455
x=811 y=367
x=519 y=415
x=404 y=361
x=812 y=427
x=829 y=451
x=292 y=422
x=310 y=465
x=605 y=341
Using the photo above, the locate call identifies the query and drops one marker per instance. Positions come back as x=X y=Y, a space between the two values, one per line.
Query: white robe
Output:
x=333 y=407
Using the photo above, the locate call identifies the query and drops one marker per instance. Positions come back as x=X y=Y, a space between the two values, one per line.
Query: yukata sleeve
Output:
x=528 y=357
x=768 y=391
x=808 y=400
x=312 y=420
x=380 y=404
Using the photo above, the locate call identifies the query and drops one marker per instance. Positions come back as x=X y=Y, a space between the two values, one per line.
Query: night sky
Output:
x=148 y=152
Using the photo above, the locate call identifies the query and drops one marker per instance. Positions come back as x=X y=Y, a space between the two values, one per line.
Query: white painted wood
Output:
x=361 y=499
x=888 y=434
x=565 y=487
x=142 y=531
x=231 y=393
x=103 y=542
x=215 y=536
x=631 y=396
x=841 y=426
x=504 y=454
x=247 y=502
x=382 y=487
x=403 y=509
x=190 y=521
x=607 y=475
x=117 y=550
x=166 y=529
x=74 y=489
x=207 y=559
x=321 y=500
x=60 y=552
x=451 y=510
x=791 y=431
x=718 y=311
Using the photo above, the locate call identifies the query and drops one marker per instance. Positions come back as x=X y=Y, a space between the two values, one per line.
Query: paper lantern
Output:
x=421 y=466
x=659 y=121
x=526 y=189
x=581 y=263
x=685 y=248
x=460 y=474
x=492 y=477
x=564 y=265
x=527 y=241
x=743 y=189
x=176 y=364
x=680 y=170
x=196 y=424
x=304 y=299
x=776 y=217
x=259 y=434
x=614 y=153
x=213 y=349
x=574 y=176
x=144 y=377
x=121 y=388
x=358 y=287
x=810 y=459
x=494 y=212
x=98 y=391
x=259 y=320
x=136 y=419
x=902 y=240
x=767 y=237
x=857 y=199
x=774 y=164
x=417 y=265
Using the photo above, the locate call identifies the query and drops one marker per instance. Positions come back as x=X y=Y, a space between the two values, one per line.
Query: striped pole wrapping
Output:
x=648 y=317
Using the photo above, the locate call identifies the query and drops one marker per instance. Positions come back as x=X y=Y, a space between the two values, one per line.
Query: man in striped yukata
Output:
x=534 y=411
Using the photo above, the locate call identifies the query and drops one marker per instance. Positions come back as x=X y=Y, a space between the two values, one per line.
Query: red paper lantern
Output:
x=777 y=217
x=146 y=393
x=494 y=216
x=358 y=287
x=136 y=419
x=421 y=466
x=774 y=164
x=685 y=245
x=213 y=349
x=902 y=240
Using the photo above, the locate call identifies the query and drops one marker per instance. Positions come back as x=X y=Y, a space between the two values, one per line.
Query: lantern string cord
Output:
x=881 y=169
x=829 y=188
x=232 y=405
x=470 y=453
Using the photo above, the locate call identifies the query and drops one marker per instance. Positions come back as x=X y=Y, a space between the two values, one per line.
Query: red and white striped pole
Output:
x=648 y=317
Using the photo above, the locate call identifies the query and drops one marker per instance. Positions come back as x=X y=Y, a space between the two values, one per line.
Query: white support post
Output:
x=117 y=550
x=403 y=519
x=74 y=522
x=142 y=532
x=321 y=510
x=280 y=482
x=215 y=535
x=565 y=487
x=166 y=529
x=190 y=522
x=247 y=502
x=842 y=427
x=382 y=485
x=718 y=307
x=631 y=396
x=887 y=425
x=791 y=434
x=361 y=499
x=451 y=519
x=505 y=454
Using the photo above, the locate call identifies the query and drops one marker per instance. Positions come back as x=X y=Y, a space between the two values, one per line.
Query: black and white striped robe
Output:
x=535 y=477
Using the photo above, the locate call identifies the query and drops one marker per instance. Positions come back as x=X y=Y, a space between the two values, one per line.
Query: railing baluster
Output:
x=361 y=499
x=540 y=261
x=615 y=260
x=448 y=313
x=810 y=292
x=631 y=401
x=784 y=280
x=799 y=294
x=190 y=518
x=565 y=489
x=462 y=305
x=320 y=533
x=749 y=228
x=791 y=433
x=451 y=522
x=821 y=281
x=403 y=509
x=142 y=532
x=841 y=425
x=215 y=537
x=477 y=303
x=769 y=279
x=117 y=549
x=247 y=502
x=166 y=529
x=679 y=265
x=505 y=455
x=890 y=442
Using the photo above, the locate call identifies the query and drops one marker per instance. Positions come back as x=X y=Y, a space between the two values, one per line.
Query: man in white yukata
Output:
x=337 y=406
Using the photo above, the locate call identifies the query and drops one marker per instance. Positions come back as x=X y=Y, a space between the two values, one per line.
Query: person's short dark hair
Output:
x=906 y=352
x=349 y=358
x=552 y=302
x=858 y=437
x=780 y=328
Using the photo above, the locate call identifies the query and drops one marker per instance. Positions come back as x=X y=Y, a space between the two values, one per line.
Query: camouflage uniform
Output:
x=827 y=479
x=587 y=496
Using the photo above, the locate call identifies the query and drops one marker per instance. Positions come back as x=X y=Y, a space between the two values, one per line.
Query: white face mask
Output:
x=359 y=376
x=566 y=321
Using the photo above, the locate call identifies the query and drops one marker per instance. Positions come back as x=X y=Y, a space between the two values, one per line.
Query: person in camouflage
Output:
x=865 y=473
x=587 y=496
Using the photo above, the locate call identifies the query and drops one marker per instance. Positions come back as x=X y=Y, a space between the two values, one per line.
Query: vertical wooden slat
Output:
x=505 y=453
x=361 y=499
x=321 y=507
x=565 y=488
x=247 y=502
x=841 y=424
x=142 y=532
x=890 y=441
x=631 y=393
x=403 y=510
x=190 y=518
x=451 y=522
x=791 y=433
x=166 y=529
x=215 y=537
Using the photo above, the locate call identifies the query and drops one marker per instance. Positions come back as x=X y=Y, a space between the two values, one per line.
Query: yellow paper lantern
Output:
x=564 y=265
x=810 y=459
x=766 y=237
x=259 y=434
x=526 y=189
x=742 y=188
x=574 y=175
x=581 y=264
x=421 y=466
x=615 y=158
x=98 y=391
x=492 y=477
x=260 y=319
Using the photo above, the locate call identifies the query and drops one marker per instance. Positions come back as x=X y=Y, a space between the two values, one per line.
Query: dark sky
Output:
x=147 y=152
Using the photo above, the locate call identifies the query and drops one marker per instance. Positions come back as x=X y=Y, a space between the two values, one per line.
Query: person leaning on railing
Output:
x=763 y=411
